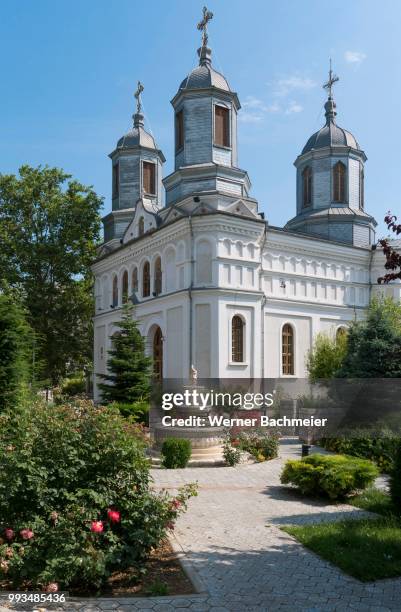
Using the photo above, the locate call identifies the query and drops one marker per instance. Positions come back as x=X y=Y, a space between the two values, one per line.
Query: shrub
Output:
x=176 y=452
x=379 y=447
x=326 y=356
x=395 y=481
x=259 y=442
x=75 y=385
x=138 y=411
x=75 y=501
x=231 y=454
x=334 y=476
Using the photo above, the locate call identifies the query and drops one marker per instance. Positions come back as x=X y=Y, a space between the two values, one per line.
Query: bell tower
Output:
x=205 y=118
x=136 y=173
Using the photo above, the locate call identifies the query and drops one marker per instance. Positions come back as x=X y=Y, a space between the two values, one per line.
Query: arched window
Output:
x=339 y=182
x=135 y=279
x=237 y=339
x=158 y=354
x=288 y=349
x=307 y=186
x=341 y=333
x=158 y=276
x=146 y=279
x=125 y=287
x=115 y=291
x=141 y=226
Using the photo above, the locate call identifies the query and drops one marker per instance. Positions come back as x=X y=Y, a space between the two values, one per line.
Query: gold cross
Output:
x=137 y=95
x=333 y=78
x=202 y=25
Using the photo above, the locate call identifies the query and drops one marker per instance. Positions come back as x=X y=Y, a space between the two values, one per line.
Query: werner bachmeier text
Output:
x=221 y=421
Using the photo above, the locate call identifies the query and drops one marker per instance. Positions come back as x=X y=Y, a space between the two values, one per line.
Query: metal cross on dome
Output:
x=202 y=25
x=137 y=95
x=333 y=78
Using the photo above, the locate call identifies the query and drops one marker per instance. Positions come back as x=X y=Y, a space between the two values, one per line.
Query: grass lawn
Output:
x=368 y=549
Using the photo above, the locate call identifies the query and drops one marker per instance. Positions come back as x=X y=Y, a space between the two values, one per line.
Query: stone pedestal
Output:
x=206 y=442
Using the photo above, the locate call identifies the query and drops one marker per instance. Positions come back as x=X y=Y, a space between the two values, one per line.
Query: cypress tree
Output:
x=128 y=378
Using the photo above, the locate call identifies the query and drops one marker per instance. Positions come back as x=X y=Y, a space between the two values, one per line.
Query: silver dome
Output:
x=330 y=135
x=204 y=76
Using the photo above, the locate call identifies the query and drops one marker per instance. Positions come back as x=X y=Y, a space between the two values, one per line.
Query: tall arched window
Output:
x=135 y=279
x=125 y=287
x=158 y=354
x=141 y=226
x=146 y=279
x=237 y=339
x=288 y=349
x=115 y=291
x=339 y=182
x=307 y=186
x=341 y=333
x=158 y=276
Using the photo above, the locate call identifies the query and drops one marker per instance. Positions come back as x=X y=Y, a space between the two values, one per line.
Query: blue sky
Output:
x=69 y=69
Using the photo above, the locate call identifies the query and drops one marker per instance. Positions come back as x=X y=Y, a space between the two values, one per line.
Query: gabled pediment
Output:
x=240 y=207
x=145 y=219
x=173 y=214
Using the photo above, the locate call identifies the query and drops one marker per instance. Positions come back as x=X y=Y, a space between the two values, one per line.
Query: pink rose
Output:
x=52 y=587
x=26 y=534
x=9 y=533
x=175 y=504
x=114 y=516
x=170 y=525
x=97 y=526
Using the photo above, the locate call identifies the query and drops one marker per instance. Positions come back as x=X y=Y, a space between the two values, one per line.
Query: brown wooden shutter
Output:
x=149 y=178
x=221 y=126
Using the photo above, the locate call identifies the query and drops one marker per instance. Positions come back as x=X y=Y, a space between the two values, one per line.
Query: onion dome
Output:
x=204 y=75
x=330 y=135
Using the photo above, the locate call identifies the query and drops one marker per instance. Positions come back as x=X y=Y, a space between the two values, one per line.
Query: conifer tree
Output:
x=129 y=371
x=374 y=345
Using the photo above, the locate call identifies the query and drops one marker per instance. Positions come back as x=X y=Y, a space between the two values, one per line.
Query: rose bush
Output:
x=75 y=501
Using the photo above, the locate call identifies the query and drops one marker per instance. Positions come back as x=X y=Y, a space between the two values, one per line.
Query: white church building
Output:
x=215 y=286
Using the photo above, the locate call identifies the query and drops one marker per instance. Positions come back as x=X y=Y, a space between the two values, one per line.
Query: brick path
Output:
x=230 y=536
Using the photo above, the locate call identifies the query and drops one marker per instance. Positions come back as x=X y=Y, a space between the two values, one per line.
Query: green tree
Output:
x=374 y=345
x=129 y=368
x=49 y=227
x=326 y=356
x=15 y=352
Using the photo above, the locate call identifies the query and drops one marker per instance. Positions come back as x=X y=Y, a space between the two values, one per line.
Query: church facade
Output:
x=215 y=286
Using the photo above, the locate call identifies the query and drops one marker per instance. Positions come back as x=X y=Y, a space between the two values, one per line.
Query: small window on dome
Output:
x=362 y=190
x=179 y=130
x=149 y=178
x=339 y=182
x=221 y=126
x=307 y=186
x=116 y=180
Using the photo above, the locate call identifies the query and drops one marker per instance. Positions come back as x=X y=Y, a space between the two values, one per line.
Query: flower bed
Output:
x=75 y=501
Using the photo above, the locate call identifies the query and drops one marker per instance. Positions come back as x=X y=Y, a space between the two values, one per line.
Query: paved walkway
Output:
x=231 y=539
